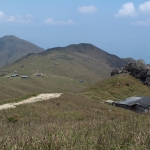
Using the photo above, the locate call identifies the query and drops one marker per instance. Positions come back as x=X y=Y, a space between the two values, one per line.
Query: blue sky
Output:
x=118 y=27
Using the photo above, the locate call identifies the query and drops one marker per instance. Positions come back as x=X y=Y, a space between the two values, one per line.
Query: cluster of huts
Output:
x=22 y=77
x=135 y=103
x=15 y=74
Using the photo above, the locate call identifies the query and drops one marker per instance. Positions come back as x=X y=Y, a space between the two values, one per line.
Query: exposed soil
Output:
x=41 y=97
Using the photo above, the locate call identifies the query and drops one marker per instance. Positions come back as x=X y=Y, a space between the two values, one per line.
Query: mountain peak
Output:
x=9 y=37
x=83 y=45
x=13 y=48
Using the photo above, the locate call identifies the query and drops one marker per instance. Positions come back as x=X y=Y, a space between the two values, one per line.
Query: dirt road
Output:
x=41 y=97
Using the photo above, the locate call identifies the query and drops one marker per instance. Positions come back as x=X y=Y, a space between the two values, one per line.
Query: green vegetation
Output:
x=19 y=99
x=73 y=122
x=79 y=119
x=13 y=89
x=61 y=69
x=117 y=87
x=13 y=48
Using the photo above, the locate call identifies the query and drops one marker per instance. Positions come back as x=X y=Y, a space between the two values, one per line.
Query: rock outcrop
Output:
x=138 y=69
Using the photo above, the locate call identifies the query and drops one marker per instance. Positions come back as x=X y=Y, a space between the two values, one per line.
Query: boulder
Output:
x=138 y=69
x=147 y=82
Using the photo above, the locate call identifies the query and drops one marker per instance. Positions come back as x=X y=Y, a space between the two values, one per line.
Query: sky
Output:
x=119 y=27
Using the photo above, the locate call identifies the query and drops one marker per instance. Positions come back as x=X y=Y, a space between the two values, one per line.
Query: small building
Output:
x=15 y=75
x=81 y=80
x=39 y=74
x=24 y=77
x=137 y=104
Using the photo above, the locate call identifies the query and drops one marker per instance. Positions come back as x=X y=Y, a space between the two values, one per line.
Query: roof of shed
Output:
x=143 y=101
x=15 y=74
x=24 y=76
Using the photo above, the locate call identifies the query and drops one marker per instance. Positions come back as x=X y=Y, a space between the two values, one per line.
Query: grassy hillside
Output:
x=13 y=48
x=12 y=89
x=117 y=87
x=76 y=120
x=73 y=121
x=61 y=69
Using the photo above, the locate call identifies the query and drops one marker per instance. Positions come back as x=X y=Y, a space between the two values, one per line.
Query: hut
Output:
x=39 y=74
x=24 y=77
x=137 y=104
x=81 y=80
x=14 y=75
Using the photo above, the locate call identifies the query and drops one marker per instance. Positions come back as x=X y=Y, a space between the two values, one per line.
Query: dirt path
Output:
x=41 y=97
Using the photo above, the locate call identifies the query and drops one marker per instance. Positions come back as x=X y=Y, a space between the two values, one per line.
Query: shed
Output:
x=137 y=104
x=81 y=80
x=14 y=75
x=39 y=74
x=24 y=77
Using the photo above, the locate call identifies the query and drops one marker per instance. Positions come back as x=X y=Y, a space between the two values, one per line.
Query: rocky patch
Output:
x=138 y=69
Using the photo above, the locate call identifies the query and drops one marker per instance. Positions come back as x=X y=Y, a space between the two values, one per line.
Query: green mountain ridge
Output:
x=61 y=68
x=93 y=52
x=12 y=48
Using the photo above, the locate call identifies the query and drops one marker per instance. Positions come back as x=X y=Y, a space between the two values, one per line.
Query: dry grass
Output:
x=73 y=122
x=73 y=65
x=117 y=88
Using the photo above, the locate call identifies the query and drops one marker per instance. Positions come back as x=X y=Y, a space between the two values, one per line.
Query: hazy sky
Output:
x=119 y=27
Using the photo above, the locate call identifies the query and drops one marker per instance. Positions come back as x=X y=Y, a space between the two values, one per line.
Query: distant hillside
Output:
x=117 y=87
x=82 y=61
x=64 y=69
x=93 y=53
x=12 y=48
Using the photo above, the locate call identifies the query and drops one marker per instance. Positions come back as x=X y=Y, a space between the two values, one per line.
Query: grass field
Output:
x=73 y=121
x=116 y=88
x=79 y=120
x=61 y=68
x=61 y=72
x=12 y=89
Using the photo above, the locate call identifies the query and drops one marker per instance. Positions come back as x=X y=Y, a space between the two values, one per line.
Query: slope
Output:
x=12 y=48
x=62 y=69
x=117 y=87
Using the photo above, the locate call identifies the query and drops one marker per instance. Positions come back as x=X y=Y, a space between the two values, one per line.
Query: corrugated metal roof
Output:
x=143 y=101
